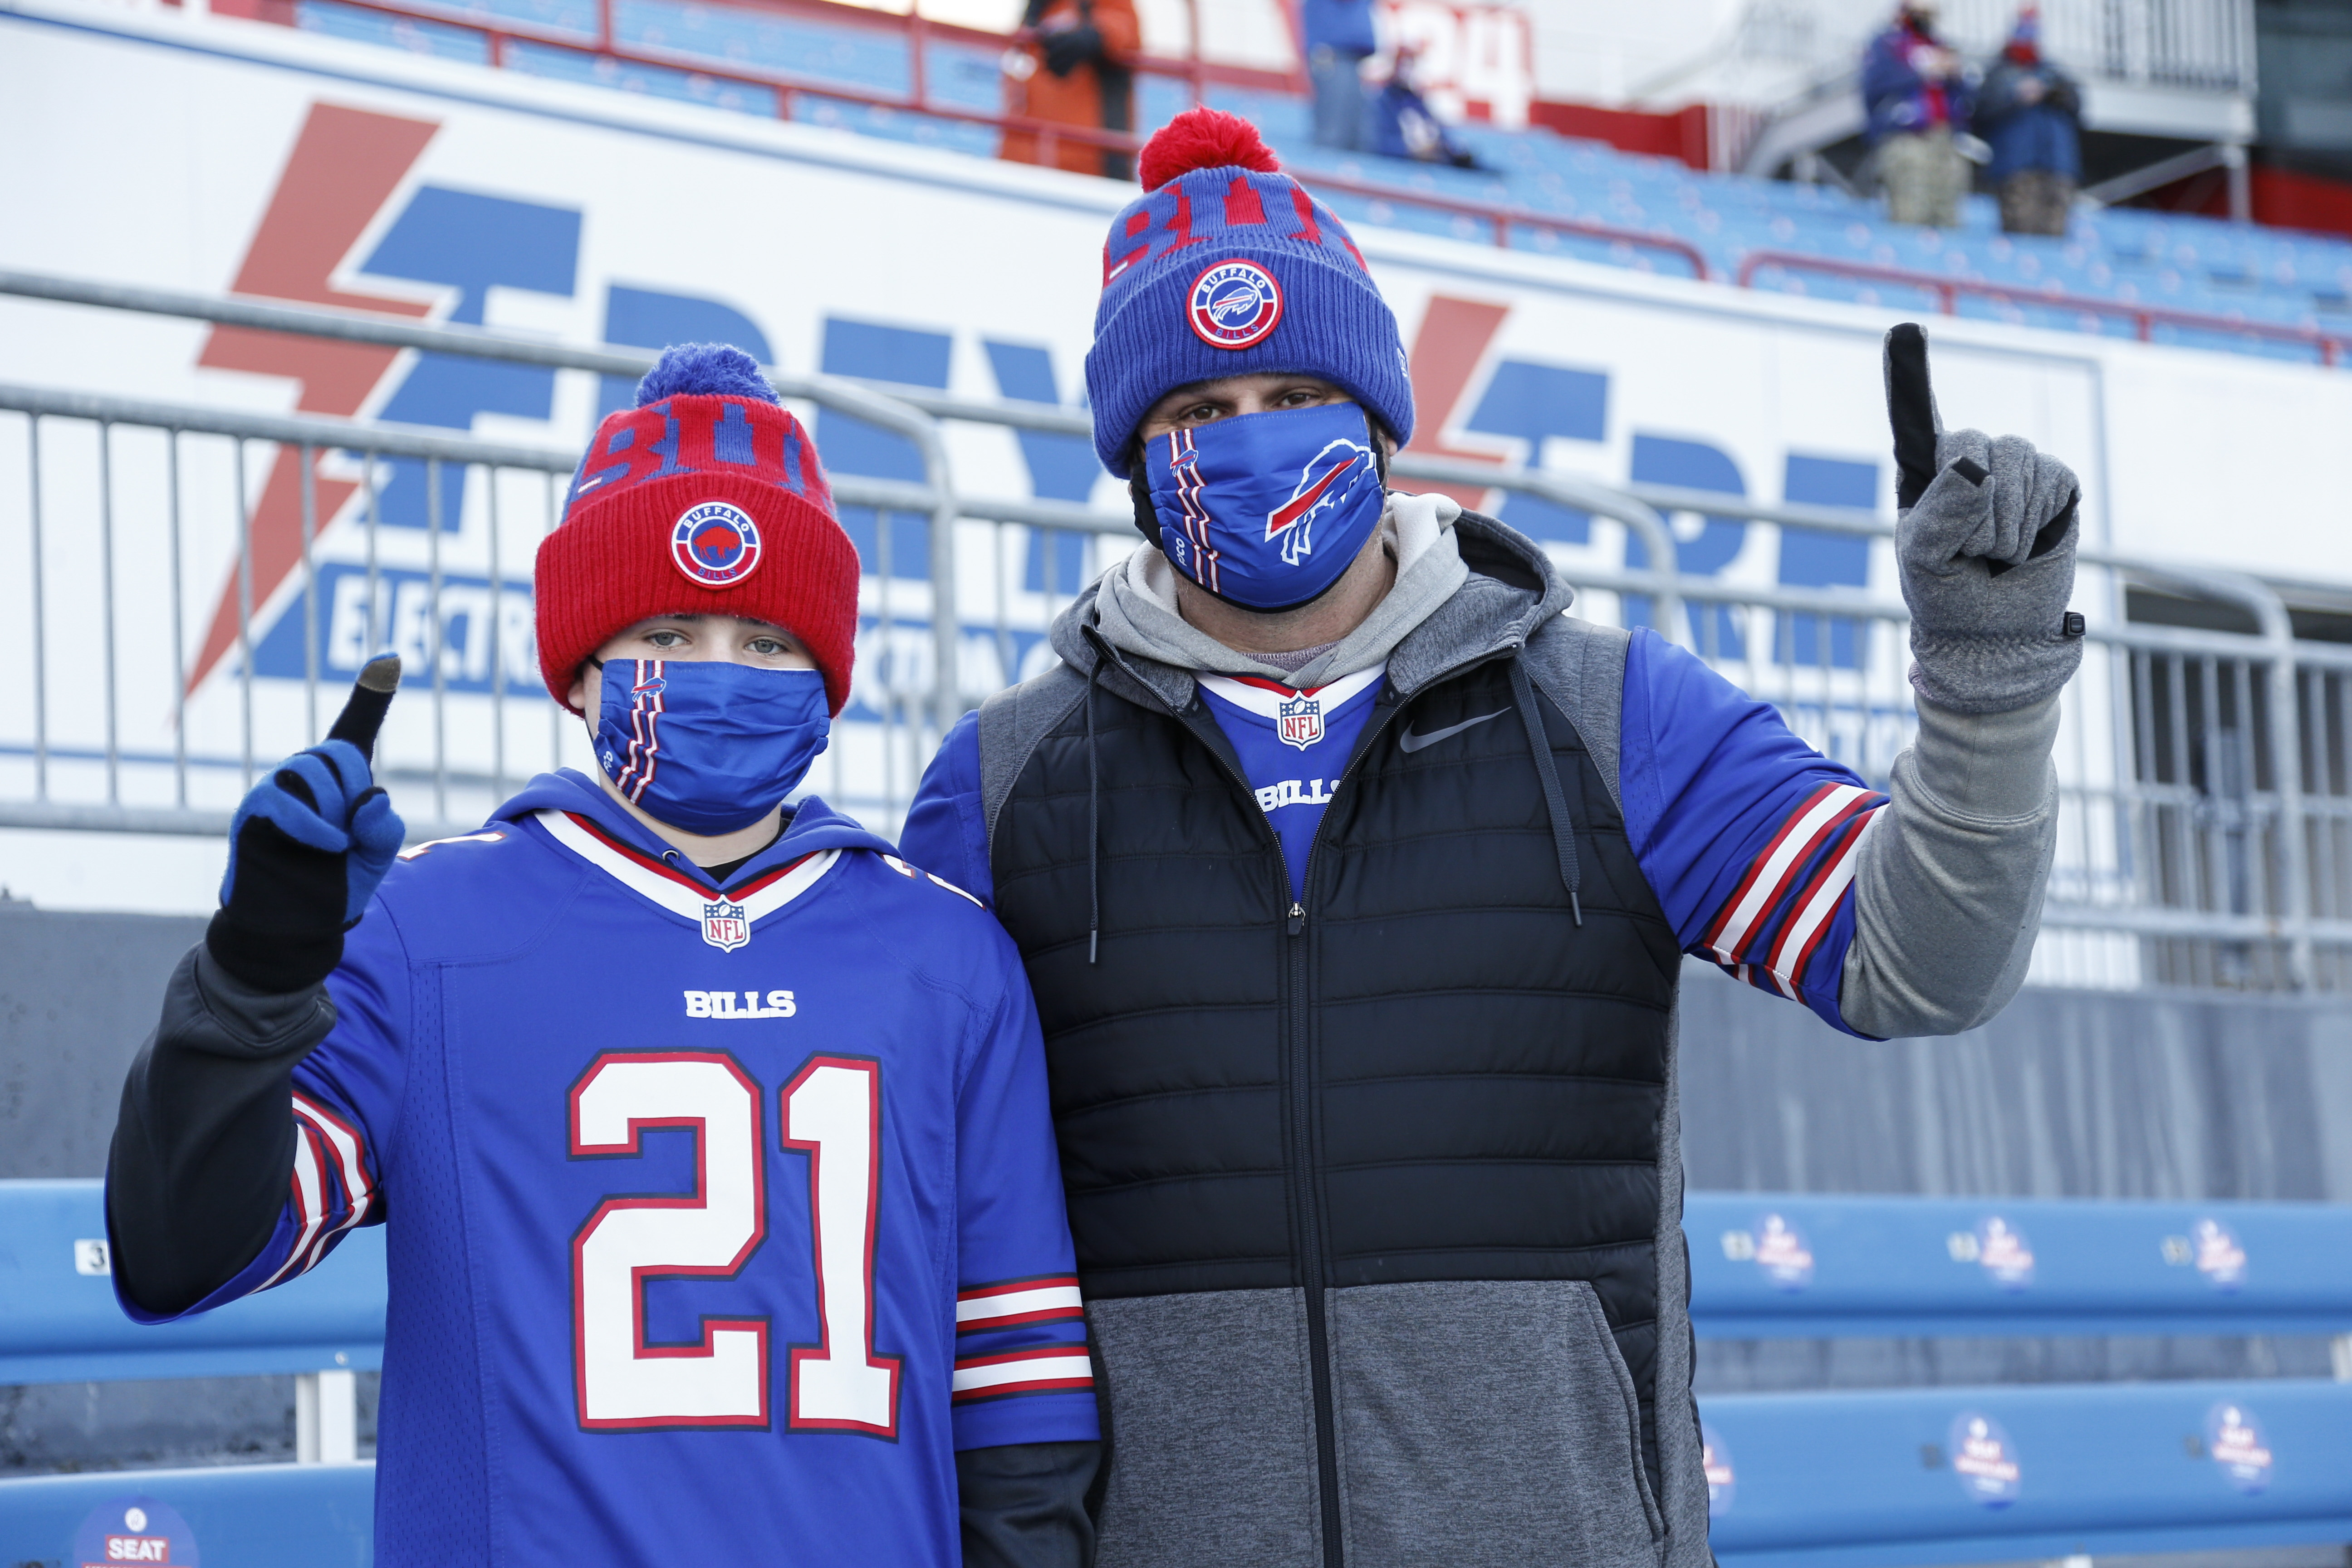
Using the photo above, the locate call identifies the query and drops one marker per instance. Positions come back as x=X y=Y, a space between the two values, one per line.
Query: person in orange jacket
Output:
x=1064 y=66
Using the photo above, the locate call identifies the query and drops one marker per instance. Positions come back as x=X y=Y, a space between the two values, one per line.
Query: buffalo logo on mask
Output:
x=715 y=544
x=1233 y=305
x=1267 y=509
x=1319 y=490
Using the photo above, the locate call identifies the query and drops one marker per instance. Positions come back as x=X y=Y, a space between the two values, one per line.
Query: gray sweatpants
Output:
x=1924 y=177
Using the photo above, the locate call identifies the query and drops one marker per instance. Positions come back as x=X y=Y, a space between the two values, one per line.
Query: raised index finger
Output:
x=1911 y=410
x=370 y=698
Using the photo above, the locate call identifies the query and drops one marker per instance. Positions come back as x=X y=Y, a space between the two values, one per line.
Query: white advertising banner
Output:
x=221 y=156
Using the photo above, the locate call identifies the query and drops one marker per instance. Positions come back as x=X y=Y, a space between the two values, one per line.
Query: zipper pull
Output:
x=1297 y=917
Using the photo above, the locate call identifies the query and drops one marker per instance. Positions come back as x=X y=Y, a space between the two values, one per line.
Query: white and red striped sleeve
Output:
x=1046 y=1369
x=1748 y=836
x=1050 y=1297
x=1787 y=900
x=1023 y=1371
x=333 y=1190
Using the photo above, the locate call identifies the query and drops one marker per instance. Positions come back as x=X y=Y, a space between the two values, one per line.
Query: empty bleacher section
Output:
x=2195 y=281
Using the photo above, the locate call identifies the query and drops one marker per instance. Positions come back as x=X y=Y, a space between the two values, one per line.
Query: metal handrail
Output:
x=2284 y=917
x=2329 y=346
x=1500 y=216
x=789 y=85
x=1503 y=217
x=936 y=496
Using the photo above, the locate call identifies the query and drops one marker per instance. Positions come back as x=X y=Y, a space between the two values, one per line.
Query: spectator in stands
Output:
x=1338 y=41
x=1404 y=126
x=2031 y=112
x=1915 y=91
x=1081 y=46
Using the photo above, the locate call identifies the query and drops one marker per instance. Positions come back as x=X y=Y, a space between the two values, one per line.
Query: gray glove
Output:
x=1985 y=537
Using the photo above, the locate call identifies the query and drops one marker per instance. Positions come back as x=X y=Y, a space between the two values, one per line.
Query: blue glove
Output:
x=307 y=848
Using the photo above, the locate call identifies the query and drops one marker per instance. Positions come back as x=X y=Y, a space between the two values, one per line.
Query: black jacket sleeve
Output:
x=204 y=1146
x=1024 y=1505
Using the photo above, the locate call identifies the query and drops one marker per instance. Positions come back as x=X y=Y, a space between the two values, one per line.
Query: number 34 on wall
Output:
x=833 y=1111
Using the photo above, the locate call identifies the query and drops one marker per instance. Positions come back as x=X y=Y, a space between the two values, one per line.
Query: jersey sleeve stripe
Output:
x=1804 y=933
x=1022 y=1372
x=1019 y=1301
x=309 y=1200
x=345 y=1150
x=1781 y=865
x=1737 y=899
x=1788 y=849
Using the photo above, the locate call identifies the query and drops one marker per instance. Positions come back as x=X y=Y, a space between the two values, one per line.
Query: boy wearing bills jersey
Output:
x=1354 y=876
x=724 y=1222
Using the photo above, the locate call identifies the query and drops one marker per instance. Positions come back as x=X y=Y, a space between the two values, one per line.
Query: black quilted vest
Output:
x=1422 y=1069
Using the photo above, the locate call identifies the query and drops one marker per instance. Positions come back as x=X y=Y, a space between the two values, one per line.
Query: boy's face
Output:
x=728 y=637
x=1204 y=402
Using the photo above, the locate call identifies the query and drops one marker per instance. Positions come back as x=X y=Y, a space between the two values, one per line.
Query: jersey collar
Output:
x=762 y=894
x=1265 y=698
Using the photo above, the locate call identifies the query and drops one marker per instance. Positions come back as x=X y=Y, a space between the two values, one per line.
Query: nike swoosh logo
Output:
x=1410 y=742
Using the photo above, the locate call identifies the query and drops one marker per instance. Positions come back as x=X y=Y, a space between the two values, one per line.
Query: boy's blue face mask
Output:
x=707 y=746
x=1267 y=510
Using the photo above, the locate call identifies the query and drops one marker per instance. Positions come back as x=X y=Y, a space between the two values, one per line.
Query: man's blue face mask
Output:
x=1267 y=510
x=707 y=746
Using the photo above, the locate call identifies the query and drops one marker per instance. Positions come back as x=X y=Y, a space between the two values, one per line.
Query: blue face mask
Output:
x=1267 y=510
x=707 y=746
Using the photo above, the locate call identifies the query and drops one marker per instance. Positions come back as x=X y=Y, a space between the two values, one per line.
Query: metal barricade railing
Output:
x=2206 y=835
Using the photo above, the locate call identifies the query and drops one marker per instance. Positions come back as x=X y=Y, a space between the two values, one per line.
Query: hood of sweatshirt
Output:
x=812 y=826
x=1467 y=588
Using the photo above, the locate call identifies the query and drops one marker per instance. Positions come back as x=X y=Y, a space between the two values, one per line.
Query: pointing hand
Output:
x=308 y=846
x=1985 y=540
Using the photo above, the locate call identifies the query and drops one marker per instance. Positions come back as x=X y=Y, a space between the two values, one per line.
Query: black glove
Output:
x=1071 y=48
x=1985 y=541
x=308 y=846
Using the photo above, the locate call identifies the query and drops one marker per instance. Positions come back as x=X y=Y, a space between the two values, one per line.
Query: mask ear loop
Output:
x=1147 y=522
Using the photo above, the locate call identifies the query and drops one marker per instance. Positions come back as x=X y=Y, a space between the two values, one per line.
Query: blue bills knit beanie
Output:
x=1224 y=267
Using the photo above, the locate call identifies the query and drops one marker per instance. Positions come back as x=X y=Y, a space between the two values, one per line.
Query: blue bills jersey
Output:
x=1749 y=836
x=1293 y=746
x=718 y=1220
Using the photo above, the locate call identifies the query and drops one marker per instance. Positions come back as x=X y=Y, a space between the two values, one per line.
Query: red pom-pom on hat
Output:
x=1203 y=138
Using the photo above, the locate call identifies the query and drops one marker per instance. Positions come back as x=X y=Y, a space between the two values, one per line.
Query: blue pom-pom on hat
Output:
x=704 y=370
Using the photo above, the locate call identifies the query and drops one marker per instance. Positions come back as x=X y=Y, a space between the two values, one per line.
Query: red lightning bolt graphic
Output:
x=1445 y=353
x=346 y=165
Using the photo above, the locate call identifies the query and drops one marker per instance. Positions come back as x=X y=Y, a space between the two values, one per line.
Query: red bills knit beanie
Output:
x=705 y=499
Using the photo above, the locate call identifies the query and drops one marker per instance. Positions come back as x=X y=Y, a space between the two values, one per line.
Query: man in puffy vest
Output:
x=1353 y=878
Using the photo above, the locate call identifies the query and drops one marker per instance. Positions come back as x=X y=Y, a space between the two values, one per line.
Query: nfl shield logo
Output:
x=725 y=926
x=1300 y=720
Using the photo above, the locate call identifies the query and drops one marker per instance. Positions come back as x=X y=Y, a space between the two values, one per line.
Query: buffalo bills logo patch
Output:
x=1323 y=484
x=1233 y=305
x=715 y=546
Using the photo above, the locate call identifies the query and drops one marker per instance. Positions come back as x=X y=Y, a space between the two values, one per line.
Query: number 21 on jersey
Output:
x=832 y=1110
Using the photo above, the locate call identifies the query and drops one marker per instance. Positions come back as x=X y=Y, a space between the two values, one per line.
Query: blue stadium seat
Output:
x=60 y=1323
x=242 y=1516
x=1897 y=1476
